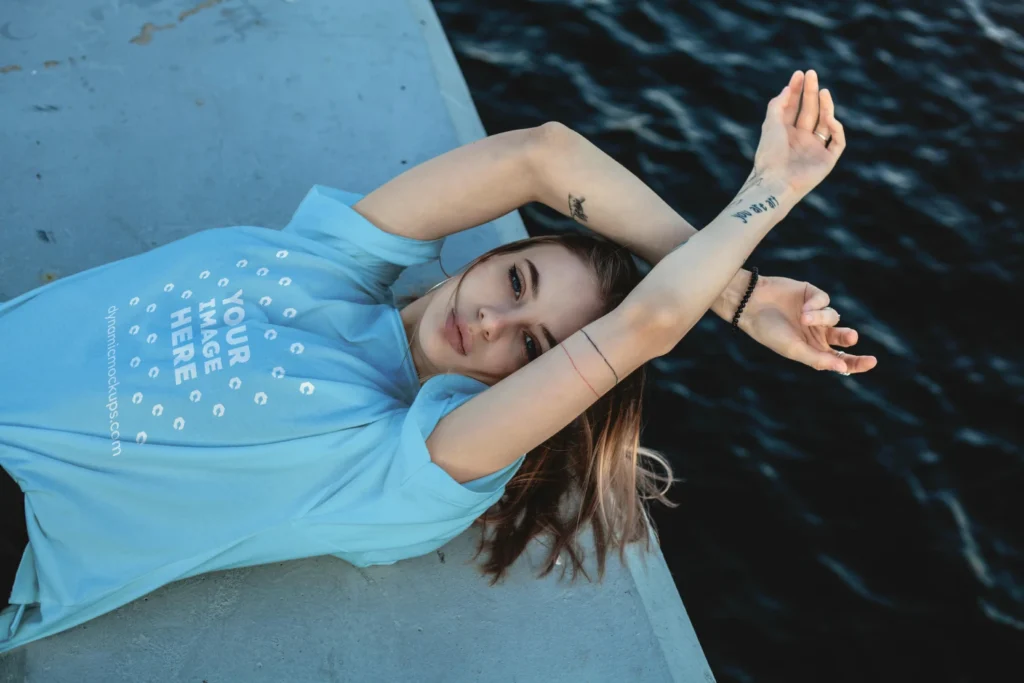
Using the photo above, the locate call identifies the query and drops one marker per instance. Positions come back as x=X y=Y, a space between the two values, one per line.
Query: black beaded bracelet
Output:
x=746 y=297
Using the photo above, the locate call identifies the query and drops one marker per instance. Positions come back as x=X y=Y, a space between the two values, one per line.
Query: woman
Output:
x=263 y=399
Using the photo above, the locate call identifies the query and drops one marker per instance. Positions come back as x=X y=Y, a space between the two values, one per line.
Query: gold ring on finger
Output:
x=824 y=138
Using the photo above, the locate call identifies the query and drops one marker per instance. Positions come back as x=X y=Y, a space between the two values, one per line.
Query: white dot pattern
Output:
x=218 y=410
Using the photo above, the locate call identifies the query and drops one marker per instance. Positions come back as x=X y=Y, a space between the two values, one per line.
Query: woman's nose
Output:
x=493 y=321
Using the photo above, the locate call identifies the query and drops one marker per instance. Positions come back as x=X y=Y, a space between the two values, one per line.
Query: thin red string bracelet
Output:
x=578 y=371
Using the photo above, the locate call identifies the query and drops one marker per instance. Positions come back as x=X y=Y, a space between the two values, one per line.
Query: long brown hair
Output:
x=594 y=470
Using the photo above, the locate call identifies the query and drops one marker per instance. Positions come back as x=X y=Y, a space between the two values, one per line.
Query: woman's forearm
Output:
x=684 y=284
x=577 y=179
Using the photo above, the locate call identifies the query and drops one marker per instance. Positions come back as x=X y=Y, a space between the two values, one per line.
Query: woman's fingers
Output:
x=777 y=105
x=791 y=109
x=822 y=360
x=832 y=360
x=841 y=336
x=814 y=298
x=828 y=120
x=824 y=111
x=825 y=316
x=807 y=119
x=855 y=364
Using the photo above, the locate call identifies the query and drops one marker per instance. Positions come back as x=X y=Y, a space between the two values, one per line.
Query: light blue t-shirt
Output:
x=236 y=397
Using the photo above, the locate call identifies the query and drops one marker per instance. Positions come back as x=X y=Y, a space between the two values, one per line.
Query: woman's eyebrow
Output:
x=552 y=342
x=534 y=278
x=535 y=288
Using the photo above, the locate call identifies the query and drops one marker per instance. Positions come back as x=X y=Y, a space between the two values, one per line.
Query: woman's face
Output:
x=509 y=310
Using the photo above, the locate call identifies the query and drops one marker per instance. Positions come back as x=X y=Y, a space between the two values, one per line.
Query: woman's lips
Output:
x=456 y=334
x=464 y=337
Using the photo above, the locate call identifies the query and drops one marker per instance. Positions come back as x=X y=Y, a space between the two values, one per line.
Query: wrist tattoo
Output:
x=753 y=180
x=576 y=208
x=757 y=207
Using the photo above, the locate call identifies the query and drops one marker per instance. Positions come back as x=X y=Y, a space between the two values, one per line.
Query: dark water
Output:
x=861 y=528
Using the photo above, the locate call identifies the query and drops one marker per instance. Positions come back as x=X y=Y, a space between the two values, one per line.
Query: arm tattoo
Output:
x=753 y=180
x=757 y=207
x=576 y=208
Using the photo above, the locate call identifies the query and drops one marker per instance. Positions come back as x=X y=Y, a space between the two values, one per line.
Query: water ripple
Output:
x=994 y=614
x=853 y=581
x=1000 y=34
x=916 y=235
x=969 y=547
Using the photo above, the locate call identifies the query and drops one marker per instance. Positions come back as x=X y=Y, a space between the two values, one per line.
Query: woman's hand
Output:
x=793 y=147
x=794 y=320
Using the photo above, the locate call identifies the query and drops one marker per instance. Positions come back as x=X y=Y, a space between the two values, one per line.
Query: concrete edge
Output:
x=667 y=615
x=458 y=100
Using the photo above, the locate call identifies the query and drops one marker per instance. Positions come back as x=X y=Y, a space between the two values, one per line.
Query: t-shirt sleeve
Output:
x=373 y=257
x=431 y=507
x=437 y=397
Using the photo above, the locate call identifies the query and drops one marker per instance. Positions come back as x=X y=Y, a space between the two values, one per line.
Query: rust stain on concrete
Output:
x=9 y=68
x=50 y=63
x=146 y=34
x=198 y=8
x=148 y=29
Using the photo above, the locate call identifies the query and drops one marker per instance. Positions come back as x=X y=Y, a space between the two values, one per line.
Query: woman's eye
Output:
x=531 y=347
x=513 y=276
x=517 y=289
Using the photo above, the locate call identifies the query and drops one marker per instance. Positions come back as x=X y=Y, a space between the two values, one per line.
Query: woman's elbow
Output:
x=552 y=134
x=545 y=143
x=659 y=327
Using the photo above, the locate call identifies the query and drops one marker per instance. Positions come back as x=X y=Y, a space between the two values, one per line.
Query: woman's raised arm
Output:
x=460 y=189
x=494 y=428
x=486 y=179
x=523 y=410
